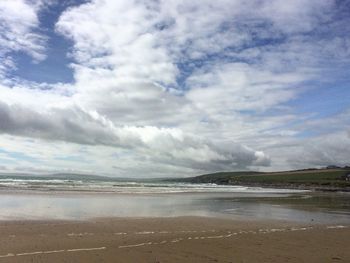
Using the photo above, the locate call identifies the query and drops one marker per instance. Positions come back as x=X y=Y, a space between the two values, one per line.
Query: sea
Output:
x=45 y=198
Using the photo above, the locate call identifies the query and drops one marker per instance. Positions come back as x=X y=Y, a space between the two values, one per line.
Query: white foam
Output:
x=53 y=251
x=277 y=230
x=214 y=237
x=29 y=253
x=80 y=234
x=335 y=227
x=85 y=249
x=136 y=245
x=176 y=240
x=120 y=233
x=134 y=187
x=145 y=233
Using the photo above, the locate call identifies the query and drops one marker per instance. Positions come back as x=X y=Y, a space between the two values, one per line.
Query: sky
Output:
x=161 y=88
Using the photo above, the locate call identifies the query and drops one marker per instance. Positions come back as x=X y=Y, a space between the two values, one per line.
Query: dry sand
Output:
x=184 y=239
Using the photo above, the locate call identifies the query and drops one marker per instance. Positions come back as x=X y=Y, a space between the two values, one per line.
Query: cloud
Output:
x=224 y=88
x=166 y=145
x=296 y=16
x=124 y=40
x=330 y=149
x=78 y=128
x=19 y=32
x=176 y=86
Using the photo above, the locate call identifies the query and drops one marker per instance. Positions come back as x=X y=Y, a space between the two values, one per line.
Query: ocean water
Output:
x=131 y=187
x=63 y=199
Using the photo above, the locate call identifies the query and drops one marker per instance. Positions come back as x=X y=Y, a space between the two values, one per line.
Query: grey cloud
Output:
x=316 y=151
x=71 y=125
x=136 y=103
x=164 y=145
x=333 y=149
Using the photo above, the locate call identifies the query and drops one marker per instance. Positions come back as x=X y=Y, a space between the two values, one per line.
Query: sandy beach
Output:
x=180 y=239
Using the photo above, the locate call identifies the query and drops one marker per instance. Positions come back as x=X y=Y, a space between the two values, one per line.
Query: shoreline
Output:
x=44 y=190
x=179 y=239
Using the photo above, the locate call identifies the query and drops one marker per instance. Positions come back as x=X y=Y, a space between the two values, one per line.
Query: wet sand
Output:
x=180 y=239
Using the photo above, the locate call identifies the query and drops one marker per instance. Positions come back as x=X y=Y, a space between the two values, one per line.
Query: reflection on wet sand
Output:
x=311 y=207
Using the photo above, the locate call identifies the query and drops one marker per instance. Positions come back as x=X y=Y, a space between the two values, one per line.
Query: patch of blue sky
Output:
x=55 y=68
x=230 y=54
x=317 y=104
x=342 y=11
x=188 y=67
x=254 y=112
x=307 y=134
x=19 y=156
x=4 y=161
x=72 y=158
x=322 y=101
x=121 y=154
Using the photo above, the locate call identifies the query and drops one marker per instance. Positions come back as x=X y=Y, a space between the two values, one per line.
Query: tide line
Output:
x=136 y=245
x=51 y=252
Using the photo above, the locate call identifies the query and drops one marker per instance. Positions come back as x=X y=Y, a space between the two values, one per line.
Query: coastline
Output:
x=178 y=239
x=301 y=188
x=329 y=179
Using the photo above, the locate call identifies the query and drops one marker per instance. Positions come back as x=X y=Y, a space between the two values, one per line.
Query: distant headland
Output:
x=330 y=178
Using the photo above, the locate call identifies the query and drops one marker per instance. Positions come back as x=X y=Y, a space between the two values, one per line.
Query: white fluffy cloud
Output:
x=225 y=88
x=18 y=32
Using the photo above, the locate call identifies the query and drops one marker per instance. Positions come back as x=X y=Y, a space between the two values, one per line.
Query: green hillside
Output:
x=332 y=178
